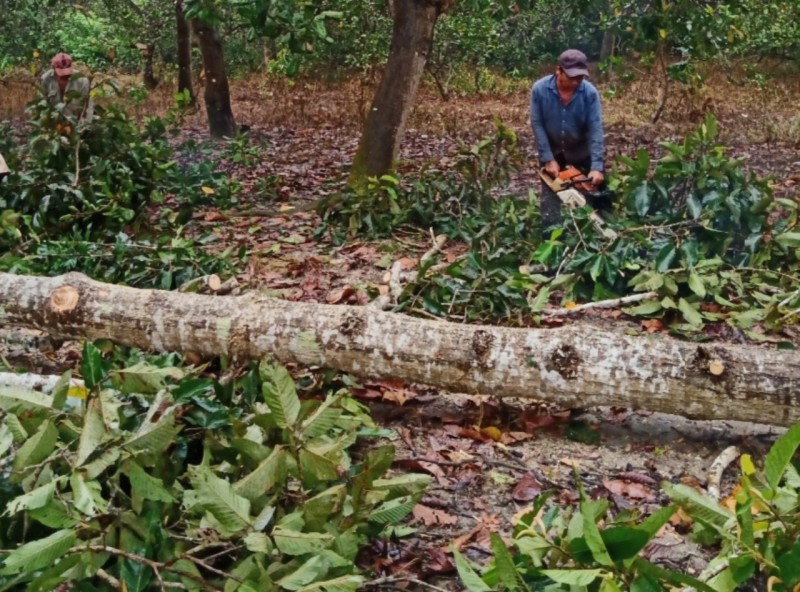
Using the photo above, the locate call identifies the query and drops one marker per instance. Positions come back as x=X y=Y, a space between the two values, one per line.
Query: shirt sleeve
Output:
x=537 y=123
x=596 y=140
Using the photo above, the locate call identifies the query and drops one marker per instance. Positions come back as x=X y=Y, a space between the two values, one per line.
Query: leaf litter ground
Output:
x=488 y=458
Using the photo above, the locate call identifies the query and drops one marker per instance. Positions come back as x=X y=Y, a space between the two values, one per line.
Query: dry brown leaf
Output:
x=339 y=295
x=398 y=397
x=653 y=325
x=407 y=263
x=527 y=489
x=570 y=462
x=629 y=489
x=460 y=456
x=430 y=517
x=437 y=561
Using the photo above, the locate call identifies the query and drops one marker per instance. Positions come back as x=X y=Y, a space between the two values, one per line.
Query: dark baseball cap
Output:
x=573 y=62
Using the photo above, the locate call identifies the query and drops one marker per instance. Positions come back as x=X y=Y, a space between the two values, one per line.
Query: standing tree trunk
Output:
x=148 y=72
x=184 y=52
x=217 y=94
x=412 y=38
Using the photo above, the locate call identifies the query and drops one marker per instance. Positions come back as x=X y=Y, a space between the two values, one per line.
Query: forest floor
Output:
x=488 y=457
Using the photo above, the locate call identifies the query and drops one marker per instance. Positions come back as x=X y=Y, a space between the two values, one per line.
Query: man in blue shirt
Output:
x=567 y=123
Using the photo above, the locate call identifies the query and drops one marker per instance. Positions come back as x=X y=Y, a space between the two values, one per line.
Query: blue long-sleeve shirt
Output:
x=574 y=130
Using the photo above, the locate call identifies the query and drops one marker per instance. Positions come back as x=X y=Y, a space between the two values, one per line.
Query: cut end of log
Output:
x=716 y=367
x=64 y=299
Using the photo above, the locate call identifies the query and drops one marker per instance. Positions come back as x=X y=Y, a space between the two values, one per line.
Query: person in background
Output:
x=61 y=84
x=567 y=123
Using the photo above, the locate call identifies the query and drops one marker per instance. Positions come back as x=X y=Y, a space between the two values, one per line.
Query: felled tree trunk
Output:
x=184 y=44
x=217 y=93
x=573 y=366
x=412 y=37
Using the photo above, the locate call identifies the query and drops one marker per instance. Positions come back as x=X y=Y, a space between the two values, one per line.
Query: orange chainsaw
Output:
x=575 y=190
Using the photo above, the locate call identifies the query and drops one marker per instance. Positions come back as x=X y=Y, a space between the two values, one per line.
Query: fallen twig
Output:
x=612 y=303
x=725 y=458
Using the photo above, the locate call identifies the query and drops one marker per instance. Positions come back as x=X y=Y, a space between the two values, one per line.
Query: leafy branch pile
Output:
x=79 y=196
x=706 y=241
x=591 y=548
x=151 y=476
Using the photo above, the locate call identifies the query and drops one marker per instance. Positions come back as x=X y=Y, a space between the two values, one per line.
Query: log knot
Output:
x=352 y=326
x=482 y=342
x=712 y=363
x=64 y=300
x=565 y=360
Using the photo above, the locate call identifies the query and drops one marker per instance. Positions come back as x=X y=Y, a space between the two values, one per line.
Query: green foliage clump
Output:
x=99 y=175
x=699 y=238
x=149 y=474
x=592 y=548
x=81 y=198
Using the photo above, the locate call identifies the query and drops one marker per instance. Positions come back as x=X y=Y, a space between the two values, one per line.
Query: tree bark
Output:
x=148 y=71
x=184 y=52
x=573 y=366
x=217 y=93
x=412 y=38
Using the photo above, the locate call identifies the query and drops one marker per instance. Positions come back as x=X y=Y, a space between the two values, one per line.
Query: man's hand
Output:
x=552 y=168
x=596 y=177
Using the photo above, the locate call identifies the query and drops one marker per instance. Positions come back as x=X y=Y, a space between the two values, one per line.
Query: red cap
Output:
x=62 y=64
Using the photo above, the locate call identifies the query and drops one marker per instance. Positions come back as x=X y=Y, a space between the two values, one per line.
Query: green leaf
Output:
x=92 y=367
x=54 y=515
x=592 y=536
x=644 y=309
x=788 y=239
x=145 y=378
x=641 y=199
x=504 y=565
x=218 y=497
x=698 y=505
x=690 y=313
x=393 y=511
x=573 y=577
x=316 y=467
x=696 y=285
x=780 y=455
x=653 y=523
x=296 y=543
x=313 y=569
x=323 y=420
x=135 y=574
x=40 y=553
x=280 y=394
x=665 y=257
x=36 y=498
x=97 y=467
x=154 y=437
x=86 y=495
x=266 y=476
x=258 y=542
x=469 y=577
x=144 y=485
x=350 y=583
x=60 y=390
x=669 y=576
x=38 y=447
x=20 y=400
x=92 y=434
